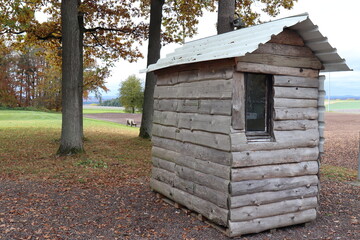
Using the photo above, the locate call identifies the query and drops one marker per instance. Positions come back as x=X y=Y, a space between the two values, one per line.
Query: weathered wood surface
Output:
x=203 y=106
x=295 y=114
x=219 y=89
x=288 y=125
x=163 y=175
x=272 y=209
x=203 y=192
x=296 y=92
x=194 y=75
x=285 y=50
x=288 y=37
x=206 y=208
x=289 y=139
x=256 y=199
x=276 y=70
x=275 y=171
x=212 y=140
x=262 y=224
x=268 y=157
x=194 y=121
x=273 y=184
x=167 y=160
x=193 y=150
x=289 y=81
x=204 y=179
x=283 y=61
x=294 y=103
x=238 y=102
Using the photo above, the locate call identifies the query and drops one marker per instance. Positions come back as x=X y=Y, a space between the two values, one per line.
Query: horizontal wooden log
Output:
x=295 y=114
x=273 y=184
x=290 y=81
x=218 y=198
x=272 y=209
x=203 y=106
x=256 y=199
x=285 y=50
x=262 y=224
x=257 y=158
x=218 y=89
x=167 y=160
x=288 y=125
x=276 y=70
x=295 y=103
x=163 y=164
x=203 y=179
x=287 y=37
x=193 y=150
x=275 y=171
x=192 y=75
x=163 y=175
x=212 y=140
x=283 y=140
x=194 y=121
x=296 y=92
x=209 y=210
x=283 y=61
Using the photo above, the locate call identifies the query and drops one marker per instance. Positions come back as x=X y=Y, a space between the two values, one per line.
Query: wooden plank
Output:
x=203 y=179
x=218 y=198
x=206 y=208
x=282 y=61
x=202 y=122
x=203 y=106
x=212 y=140
x=257 y=158
x=290 y=81
x=193 y=150
x=257 y=199
x=238 y=102
x=272 y=209
x=276 y=70
x=283 y=140
x=273 y=184
x=288 y=37
x=262 y=224
x=219 y=89
x=275 y=171
x=295 y=114
x=296 y=92
x=288 y=125
x=163 y=164
x=285 y=50
x=294 y=103
x=163 y=188
x=162 y=175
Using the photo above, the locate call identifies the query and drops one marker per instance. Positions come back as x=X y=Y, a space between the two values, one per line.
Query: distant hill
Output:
x=345 y=97
x=94 y=100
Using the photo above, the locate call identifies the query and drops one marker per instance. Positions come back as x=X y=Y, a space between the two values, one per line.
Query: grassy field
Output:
x=29 y=141
x=343 y=104
x=88 y=111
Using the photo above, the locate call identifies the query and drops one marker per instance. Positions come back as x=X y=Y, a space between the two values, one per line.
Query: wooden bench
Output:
x=130 y=122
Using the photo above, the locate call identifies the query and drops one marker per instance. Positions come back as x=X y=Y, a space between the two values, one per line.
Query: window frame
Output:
x=266 y=135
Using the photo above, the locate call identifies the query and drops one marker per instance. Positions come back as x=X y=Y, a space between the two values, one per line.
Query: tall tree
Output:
x=131 y=94
x=226 y=13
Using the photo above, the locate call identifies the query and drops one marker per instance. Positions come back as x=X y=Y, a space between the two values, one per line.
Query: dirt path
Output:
x=116 y=117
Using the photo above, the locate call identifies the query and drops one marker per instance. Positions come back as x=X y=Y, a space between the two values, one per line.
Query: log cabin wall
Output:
x=191 y=143
x=275 y=183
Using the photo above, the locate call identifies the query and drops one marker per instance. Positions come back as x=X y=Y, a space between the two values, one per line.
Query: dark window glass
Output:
x=258 y=102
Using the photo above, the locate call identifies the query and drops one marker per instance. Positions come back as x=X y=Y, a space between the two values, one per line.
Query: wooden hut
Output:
x=238 y=125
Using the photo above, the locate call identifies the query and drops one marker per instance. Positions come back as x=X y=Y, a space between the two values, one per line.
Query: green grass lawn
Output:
x=29 y=141
x=344 y=104
x=104 y=110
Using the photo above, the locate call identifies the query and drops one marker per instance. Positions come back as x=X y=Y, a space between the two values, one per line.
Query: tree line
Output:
x=78 y=32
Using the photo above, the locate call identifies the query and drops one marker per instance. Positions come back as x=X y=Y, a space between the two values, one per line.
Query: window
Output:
x=258 y=106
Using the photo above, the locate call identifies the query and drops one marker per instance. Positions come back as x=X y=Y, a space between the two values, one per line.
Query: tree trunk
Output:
x=71 y=132
x=153 y=55
x=226 y=12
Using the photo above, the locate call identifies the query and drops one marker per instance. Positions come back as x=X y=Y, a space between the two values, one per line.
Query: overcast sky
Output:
x=337 y=20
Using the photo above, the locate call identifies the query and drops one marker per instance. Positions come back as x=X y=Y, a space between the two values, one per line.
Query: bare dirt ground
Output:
x=129 y=210
x=116 y=117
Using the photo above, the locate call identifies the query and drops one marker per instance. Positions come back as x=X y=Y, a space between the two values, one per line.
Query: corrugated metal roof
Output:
x=238 y=43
